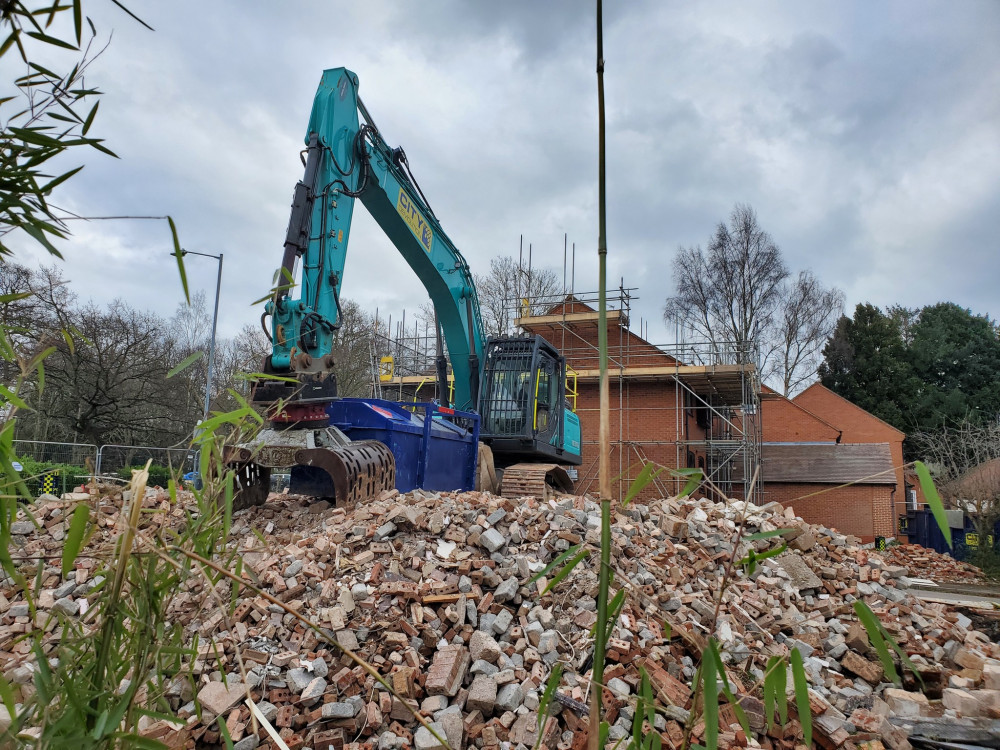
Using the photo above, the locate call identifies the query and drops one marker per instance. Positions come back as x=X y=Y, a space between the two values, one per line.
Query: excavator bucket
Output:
x=323 y=464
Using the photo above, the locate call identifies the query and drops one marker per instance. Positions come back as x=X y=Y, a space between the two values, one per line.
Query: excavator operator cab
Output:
x=522 y=400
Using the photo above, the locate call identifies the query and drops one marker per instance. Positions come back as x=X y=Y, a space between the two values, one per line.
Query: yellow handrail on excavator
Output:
x=571 y=391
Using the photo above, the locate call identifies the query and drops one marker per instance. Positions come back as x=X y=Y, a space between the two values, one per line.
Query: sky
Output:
x=865 y=135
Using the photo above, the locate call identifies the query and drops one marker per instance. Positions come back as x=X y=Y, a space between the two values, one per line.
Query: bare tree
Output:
x=737 y=298
x=235 y=360
x=503 y=290
x=966 y=462
x=353 y=350
x=191 y=324
x=728 y=294
x=110 y=386
x=806 y=319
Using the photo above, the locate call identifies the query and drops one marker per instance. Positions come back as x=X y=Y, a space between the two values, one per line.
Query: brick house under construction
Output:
x=686 y=407
x=836 y=463
x=677 y=407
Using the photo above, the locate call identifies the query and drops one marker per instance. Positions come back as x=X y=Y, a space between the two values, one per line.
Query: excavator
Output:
x=515 y=386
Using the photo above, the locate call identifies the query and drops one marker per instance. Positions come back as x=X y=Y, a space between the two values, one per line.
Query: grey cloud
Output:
x=865 y=136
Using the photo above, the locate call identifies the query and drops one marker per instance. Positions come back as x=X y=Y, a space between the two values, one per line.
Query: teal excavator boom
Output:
x=346 y=159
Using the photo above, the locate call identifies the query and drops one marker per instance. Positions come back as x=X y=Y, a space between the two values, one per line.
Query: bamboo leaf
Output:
x=875 y=637
x=727 y=690
x=802 y=696
x=224 y=731
x=764 y=535
x=543 y=704
x=694 y=476
x=133 y=15
x=78 y=20
x=933 y=500
x=47 y=188
x=774 y=690
x=6 y=298
x=9 y=395
x=646 y=475
x=74 y=537
x=646 y=690
x=565 y=571
x=558 y=561
x=90 y=118
x=771 y=552
x=185 y=363
x=7 y=694
x=54 y=41
x=35 y=233
x=614 y=609
x=179 y=254
x=710 y=698
x=781 y=685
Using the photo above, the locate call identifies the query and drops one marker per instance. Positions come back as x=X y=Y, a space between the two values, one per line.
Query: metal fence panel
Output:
x=114 y=459
x=66 y=464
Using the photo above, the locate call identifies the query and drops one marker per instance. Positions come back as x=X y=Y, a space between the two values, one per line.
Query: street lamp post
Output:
x=215 y=320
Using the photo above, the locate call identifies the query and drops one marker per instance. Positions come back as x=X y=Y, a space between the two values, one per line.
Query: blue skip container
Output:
x=435 y=447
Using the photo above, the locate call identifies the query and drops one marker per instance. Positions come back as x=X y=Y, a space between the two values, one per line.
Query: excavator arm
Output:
x=347 y=159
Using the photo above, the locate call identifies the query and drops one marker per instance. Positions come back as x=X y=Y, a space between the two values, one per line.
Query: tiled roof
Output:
x=827 y=463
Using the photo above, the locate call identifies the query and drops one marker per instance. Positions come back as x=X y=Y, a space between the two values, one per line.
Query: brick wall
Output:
x=650 y=421
x=784 y=421
x=862 y=510
x=856 y=424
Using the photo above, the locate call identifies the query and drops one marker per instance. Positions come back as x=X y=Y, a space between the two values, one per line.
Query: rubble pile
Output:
x=434 y=591
x=921 y=562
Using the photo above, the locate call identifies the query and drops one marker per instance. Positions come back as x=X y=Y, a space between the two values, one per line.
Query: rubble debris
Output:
x=434 y=591
x=920 y=562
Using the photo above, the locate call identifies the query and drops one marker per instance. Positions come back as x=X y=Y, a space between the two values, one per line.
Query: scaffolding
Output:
x=402 y=360
x=713 y=387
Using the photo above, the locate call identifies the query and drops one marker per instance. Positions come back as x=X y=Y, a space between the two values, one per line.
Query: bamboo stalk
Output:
x=604 y=466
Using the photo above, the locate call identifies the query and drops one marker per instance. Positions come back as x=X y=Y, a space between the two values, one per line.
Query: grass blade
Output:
x=710 y=697
x=614 y=609
x=543 y=704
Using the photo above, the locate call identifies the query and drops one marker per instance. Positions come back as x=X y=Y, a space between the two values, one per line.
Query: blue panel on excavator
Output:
x=435 y=447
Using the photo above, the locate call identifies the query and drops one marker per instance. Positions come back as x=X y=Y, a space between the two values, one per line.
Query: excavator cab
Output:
x=522 y=402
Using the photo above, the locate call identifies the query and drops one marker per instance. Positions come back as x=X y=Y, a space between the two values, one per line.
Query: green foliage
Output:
x=75 y=537
x=916 y=369
x=955 y=356
x=775 y=690
x=882 y=641
x=987 y=559
x=544 y=703
x=68 y=476
x=865 y=362
x=52 y=116
x=159 y=476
